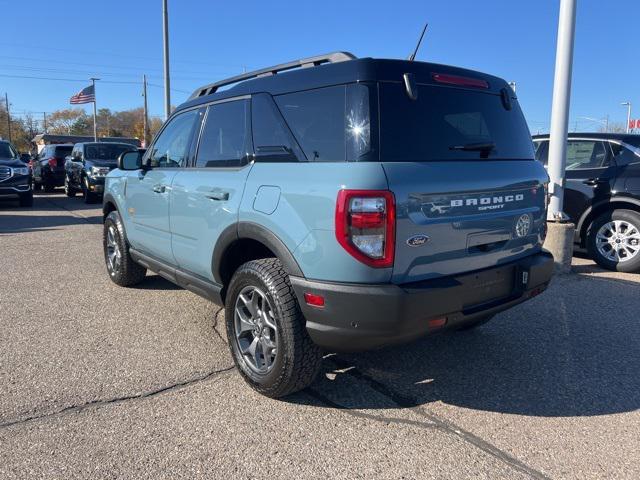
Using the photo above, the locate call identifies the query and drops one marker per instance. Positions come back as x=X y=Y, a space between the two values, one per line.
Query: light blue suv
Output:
x=336 y=204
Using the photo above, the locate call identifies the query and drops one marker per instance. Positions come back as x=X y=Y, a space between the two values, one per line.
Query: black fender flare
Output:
x=106 y=199
x=253 y=231
x=609 y=201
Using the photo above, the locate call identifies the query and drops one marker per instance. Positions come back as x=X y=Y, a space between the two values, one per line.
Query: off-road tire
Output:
x=26 y=199
x=129 y=272
x=475 y=324
x=630 y=216
x=68 y=189
x=298 y=359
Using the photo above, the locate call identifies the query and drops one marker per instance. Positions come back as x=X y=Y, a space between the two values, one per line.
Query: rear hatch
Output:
x=60 y=155
x=460 y=162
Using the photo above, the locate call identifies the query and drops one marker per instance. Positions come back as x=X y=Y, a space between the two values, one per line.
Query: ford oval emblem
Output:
x=417 y=240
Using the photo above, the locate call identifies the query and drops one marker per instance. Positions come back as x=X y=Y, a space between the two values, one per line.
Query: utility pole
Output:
x=6 y=99
x=628 y=105
x=560 y=231
x=44 y=121
x=95 y=114
x=165 y=38
x=145 y=119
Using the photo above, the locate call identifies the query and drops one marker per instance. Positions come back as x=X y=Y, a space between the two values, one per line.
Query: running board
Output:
x=198 y=285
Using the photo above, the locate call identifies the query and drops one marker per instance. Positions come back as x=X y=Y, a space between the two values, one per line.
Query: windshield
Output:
x=447 y=123
x=105 y=151
x=7 y=151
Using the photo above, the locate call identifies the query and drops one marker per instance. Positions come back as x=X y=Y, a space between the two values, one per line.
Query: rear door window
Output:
x=586 y=154
x=443 y=122
x=225 y=141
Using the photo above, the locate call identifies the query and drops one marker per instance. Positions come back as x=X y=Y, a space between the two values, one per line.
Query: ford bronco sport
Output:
x=344 y=205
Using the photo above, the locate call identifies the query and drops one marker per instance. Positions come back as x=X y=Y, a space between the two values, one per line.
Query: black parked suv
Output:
x=87 y=166
x=15 y=176
x=602 y=195
x=48 y=167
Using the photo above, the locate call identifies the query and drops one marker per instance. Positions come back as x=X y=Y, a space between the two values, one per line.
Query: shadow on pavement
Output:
x=573 y=351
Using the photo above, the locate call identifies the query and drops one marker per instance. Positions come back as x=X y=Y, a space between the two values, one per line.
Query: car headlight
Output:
x=99 y=171
x=21 y=171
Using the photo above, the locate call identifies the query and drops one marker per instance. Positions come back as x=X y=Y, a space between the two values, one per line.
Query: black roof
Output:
x=55 y=139
x=342 y=72
x=623 y=137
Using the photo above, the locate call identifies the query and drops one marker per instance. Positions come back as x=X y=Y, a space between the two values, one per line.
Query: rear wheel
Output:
x=68 y=189
x=121 y=267
x=266 y=330
x=26 y=199
x=49 y=187
x=613 y=240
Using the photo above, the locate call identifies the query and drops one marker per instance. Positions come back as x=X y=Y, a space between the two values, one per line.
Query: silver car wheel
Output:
x=255 y=329
x=618 y=241
x=114 y=257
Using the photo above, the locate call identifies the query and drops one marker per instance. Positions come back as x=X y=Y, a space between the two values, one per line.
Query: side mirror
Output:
x=25 y=157
x=131 y=160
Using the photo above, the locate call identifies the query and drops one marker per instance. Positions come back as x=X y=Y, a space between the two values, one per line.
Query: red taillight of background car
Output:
x=53 y=162
x=365 y=225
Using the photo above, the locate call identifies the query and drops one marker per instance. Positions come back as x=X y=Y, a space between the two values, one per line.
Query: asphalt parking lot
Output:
x=97 y=381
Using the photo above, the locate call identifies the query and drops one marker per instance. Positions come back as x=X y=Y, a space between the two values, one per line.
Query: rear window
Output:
x=63 y=151
x=443 y=120
x=105 y=151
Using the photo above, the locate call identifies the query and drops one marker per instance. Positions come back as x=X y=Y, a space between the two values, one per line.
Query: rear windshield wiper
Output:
x=484 y=148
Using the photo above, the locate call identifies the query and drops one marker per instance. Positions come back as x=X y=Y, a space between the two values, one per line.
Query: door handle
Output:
x=218 y=195
x=159 y=188
x=592 y=182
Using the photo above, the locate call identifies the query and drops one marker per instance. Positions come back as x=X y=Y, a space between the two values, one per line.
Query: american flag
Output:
x=86 y=95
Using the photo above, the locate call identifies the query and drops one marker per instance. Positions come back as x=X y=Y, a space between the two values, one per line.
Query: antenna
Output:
x=412 y=57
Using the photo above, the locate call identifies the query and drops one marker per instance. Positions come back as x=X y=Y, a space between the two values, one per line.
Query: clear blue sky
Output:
x=118 y=41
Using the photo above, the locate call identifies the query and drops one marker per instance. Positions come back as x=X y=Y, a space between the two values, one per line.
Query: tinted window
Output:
x=63 y=151
x=624 y=156
x=317 y=120
x=542 y=151
x=428 y=129
x=271 y=137
x=586 y=154
x=224 y=137
x=104 y=151
x=6 y=151
x=171 y=147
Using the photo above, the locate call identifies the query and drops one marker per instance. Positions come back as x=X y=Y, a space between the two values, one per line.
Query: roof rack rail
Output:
x=334 y=57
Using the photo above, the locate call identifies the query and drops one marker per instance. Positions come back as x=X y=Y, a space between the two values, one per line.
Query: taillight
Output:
x=52 y=162
x=365 y=225
x=458 y=80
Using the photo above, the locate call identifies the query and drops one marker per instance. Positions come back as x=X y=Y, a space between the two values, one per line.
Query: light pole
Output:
x=628 y=105
x=165 y=38
x=560 y=230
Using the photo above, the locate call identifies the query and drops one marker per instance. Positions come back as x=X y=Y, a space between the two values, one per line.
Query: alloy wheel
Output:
x=255 y=329
x=618 y=241
x=114 y=257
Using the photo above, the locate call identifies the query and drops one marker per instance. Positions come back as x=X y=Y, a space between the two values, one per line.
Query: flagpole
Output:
x=95 y=125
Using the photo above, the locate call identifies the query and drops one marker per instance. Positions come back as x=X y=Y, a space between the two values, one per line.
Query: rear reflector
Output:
x=314 y=300
x=437 y=322
x=461 y=81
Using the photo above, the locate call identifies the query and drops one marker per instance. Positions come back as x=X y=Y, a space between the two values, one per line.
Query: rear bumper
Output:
x=55 y=178
x=361 y=317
